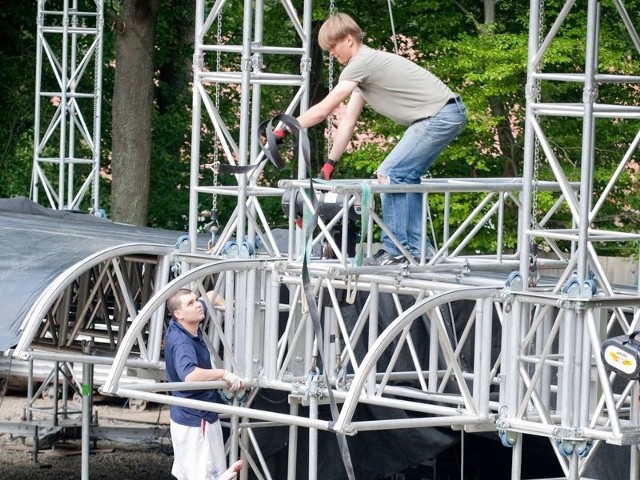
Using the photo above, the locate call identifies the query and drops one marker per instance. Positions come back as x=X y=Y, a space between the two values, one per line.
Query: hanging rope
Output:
x=270 y=150
x=314 y=314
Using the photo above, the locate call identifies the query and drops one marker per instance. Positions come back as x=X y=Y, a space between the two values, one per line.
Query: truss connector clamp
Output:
x=346 y=430
x=575 y=295
x=333 y=272
x=305 y=65
x=197 y=61
x=568 y=433
x=514 y=281
x=590 y=95
x=572 y=304
x=256 y=62
x=532 y=90
x=24 y=355
x=502 y=421
x=280 y=266
x=312 y=386
x=245 y=64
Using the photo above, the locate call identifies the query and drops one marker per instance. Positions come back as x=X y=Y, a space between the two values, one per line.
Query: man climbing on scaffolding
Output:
x=405 y=93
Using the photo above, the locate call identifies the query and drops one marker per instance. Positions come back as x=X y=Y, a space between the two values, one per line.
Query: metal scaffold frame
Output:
x=238 y=144
x=68 y=99
x=449 y=391
x=555 y=381
x=548 y=313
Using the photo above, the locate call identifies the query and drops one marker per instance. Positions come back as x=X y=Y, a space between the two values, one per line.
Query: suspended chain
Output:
x=536 y=149
x=330 y=118
x=534 y=273
x=215 y=168
x=216 y=151
x=96 y=112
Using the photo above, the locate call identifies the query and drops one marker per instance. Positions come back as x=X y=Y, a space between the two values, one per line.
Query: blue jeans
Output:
x=418 y=148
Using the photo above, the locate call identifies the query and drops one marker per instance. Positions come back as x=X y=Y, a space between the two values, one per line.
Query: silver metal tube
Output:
x=87 y=411
x=281 y=418
x=293 y=444
x=375 y=425
x=313 y=439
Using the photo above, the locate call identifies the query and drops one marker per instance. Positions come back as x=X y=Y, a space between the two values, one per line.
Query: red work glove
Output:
x=280 y=133
x=326 y=171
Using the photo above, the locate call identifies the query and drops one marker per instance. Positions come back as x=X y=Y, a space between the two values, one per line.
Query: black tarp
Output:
x=39 y=243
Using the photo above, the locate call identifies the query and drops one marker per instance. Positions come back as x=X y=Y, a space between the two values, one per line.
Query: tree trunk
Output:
x=508 y=145
x=506 y=140
x=132 y=108
x=175 y=74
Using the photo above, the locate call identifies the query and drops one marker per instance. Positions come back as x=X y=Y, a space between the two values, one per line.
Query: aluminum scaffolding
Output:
x=505 y=342
x=68 y=98
x=555 y=382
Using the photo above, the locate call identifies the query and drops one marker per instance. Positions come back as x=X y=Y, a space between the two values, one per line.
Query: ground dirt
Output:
x=125 y=459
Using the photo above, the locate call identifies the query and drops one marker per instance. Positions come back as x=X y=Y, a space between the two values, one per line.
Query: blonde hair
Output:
x=336 y=28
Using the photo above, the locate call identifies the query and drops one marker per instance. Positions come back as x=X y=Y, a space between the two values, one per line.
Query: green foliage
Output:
x=15 y=168
x=17 y=81
x=485 y=62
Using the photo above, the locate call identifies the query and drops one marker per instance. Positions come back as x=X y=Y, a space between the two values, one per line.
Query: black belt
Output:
x=449 y=102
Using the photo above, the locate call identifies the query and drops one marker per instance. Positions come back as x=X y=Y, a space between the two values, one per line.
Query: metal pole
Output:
x=245 y=110
x=73 y=61
x=63 y=105
x=373 y=333
x=516 y=458
x=313 y=436
x=196 y=108
x=161 y=278
x=87 y=409
x=293 y=442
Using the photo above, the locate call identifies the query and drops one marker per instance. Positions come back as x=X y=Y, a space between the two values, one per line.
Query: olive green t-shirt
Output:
x=395 y=86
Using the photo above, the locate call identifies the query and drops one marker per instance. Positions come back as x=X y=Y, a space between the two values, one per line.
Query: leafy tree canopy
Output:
x=478 y=48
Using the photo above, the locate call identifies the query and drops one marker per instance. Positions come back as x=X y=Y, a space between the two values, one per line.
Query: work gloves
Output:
x=326 y=172
x=234 y=382
x=280 y=134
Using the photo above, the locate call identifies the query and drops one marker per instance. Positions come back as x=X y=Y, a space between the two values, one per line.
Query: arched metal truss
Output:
x=95 y=299
x=92 y=301
x=458 y=381
x=444 y=392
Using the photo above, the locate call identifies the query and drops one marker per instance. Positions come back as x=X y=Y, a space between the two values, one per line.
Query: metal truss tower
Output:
x=243 y=61
x=68 y=97
x=555 y=383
